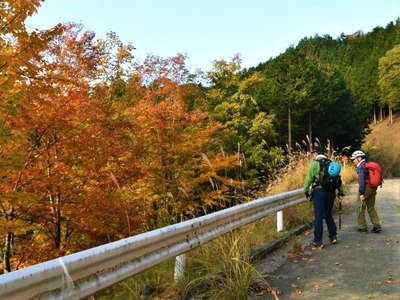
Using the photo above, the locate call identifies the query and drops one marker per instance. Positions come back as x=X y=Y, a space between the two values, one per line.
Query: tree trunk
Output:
x=391 y=115
x=310 y=130
x=58 y=223
x=7 y=252
x=56 y=220
x=381 y=114
x=289 y=129
x=374 y=114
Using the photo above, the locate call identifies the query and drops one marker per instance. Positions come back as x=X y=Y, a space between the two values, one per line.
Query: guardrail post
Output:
x=279 y=221
x=180 y=262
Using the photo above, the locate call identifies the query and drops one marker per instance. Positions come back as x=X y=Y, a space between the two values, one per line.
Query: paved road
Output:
x=360 y=266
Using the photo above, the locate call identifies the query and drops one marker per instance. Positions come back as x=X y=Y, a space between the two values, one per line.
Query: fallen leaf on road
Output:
x=370 y=297
x=389 y=281
x=347 y=247
x=299 y=291
x=377 y=283
x=294 y=254
x=295 y=261
x=277 y=292
x=339 y=264
x=294 y=285
x=332 y=285
x=316 y=287
x=388 y=239
x=311 y=259
x=260 y=288
x=261 y=292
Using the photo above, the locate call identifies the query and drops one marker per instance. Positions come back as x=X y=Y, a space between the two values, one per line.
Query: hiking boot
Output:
x=333 y=240
x=317 y=245
x=362 y=229
x=376 y=229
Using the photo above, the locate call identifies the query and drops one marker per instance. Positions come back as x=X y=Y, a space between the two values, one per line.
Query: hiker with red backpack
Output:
x=369 y=178
x=320 y=186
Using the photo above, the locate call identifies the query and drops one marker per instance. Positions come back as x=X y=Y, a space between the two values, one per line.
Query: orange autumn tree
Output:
x=184 y=168
x=20 y=51
x=73 y=148
x=78 y=149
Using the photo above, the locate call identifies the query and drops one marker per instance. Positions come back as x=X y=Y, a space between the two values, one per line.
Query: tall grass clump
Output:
x=222 y=268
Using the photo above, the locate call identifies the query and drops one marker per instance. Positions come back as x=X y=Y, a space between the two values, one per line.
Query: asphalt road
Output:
x=360 y=266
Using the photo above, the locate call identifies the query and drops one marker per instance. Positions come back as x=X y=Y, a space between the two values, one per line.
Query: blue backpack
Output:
x=334 y=169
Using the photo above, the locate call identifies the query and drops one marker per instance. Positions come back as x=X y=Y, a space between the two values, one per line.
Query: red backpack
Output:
x=374 y=178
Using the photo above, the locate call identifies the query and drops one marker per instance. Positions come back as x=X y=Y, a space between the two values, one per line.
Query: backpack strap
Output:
x=317 y=181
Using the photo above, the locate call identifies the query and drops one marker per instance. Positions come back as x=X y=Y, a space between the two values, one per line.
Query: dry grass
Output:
x=348 y=173
x=291 y=176
x=383 y=146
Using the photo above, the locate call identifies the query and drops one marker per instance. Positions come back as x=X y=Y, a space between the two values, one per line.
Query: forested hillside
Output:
x=96 y=146
x=342 y=80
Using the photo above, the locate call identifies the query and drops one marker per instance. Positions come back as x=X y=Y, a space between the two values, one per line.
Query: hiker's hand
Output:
x=362 y=197
x=307 y=195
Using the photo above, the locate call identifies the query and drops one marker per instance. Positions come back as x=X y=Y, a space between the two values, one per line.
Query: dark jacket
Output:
x=361 y=172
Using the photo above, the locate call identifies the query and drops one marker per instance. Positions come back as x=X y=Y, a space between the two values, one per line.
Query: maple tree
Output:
x=20 y=53
x=73 y=144
x=58 y=149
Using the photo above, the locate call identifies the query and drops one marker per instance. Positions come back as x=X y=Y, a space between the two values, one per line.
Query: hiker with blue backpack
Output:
x=369 y=178
x=320 y=186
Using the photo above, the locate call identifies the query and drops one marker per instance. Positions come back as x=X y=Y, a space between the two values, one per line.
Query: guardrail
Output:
x=83 y=273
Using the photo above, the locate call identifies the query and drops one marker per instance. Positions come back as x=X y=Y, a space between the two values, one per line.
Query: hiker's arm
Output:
x=312 y=172
x=361 y=181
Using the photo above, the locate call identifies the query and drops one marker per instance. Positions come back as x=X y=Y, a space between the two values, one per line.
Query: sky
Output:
x=207 y=30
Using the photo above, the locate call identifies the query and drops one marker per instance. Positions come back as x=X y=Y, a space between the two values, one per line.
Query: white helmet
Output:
x=356 y=154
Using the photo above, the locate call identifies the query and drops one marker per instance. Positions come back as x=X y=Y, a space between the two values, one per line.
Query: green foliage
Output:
x=389 y=77
x=250 y=131
x=333 y=82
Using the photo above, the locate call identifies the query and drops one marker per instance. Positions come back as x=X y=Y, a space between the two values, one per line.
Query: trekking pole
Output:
x=340 y=213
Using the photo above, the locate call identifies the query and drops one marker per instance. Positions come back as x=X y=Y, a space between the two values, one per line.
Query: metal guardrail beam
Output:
x=83 y=273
